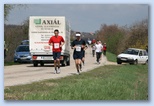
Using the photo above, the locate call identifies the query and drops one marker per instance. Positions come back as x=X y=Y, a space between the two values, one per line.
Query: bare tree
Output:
x=9 y=7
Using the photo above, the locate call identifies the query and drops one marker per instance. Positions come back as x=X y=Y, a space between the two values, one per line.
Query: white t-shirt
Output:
x=93 y=47
x=99 y=47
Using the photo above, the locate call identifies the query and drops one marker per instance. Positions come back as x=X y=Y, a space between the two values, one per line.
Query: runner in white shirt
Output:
x=99 y=47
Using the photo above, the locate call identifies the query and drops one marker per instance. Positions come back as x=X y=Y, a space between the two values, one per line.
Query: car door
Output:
x=142 y=57
x=145 y=56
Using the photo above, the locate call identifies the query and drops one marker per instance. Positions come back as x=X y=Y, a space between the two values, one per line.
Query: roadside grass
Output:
x=10 y=63
x=111 y=57
x=122 y=82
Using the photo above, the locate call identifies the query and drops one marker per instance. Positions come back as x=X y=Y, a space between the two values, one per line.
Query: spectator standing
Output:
x=147 y=49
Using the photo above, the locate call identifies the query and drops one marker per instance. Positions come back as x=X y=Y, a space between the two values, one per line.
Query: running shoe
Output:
x=55 y=71
x=78 y=72
x=58 y=71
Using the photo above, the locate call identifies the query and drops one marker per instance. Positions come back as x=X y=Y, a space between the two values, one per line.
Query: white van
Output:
x=41 y=28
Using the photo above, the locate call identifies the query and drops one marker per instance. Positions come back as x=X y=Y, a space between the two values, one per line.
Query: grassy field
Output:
x=10 y=63
x=122 y=82
x=111 y=57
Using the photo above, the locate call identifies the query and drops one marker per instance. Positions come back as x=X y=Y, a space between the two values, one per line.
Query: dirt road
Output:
x=26 y=73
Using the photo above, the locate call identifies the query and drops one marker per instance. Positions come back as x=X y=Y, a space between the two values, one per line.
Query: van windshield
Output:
x=23 y=49
x=131 y=51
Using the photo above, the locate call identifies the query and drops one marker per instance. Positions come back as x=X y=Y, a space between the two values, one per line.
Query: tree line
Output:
x=120 y=38
x=117 y=38
x=14 y=34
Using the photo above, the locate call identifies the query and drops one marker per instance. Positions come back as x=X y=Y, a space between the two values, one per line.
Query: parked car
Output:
x=133 y=56
x=22 y=54
x=25 y=42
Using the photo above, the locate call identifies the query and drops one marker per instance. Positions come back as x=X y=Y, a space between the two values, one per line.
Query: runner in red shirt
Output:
x=56 y=42
x=104 y=48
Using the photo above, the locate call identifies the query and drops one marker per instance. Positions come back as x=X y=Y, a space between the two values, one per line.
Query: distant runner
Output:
x=56 y=42
x=93 y=49
x=104 y=49
x=83 y=58
x=78 y=45
x=98 y=51
x=101 y=51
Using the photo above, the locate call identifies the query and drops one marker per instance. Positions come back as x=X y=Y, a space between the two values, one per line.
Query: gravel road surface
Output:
x=26 y=73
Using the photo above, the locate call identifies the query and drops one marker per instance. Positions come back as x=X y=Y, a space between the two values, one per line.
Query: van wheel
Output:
x=35 y=64
x=64 y=62
x=68 y=63
x=41 y=63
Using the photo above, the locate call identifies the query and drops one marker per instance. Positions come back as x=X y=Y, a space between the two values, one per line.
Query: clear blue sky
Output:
x=83 y=17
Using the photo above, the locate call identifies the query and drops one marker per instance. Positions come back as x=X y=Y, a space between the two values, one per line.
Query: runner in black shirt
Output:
x=78 y=45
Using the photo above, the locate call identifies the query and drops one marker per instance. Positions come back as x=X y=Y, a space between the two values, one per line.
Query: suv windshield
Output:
x=23 y=49
x=131 y=51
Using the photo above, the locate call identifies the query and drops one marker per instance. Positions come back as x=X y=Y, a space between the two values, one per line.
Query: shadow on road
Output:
x=73 y=73
x=52 y=72
x=50 y=65
x=46 y=65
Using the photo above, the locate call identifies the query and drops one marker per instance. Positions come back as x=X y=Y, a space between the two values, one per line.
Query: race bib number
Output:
x=56 y=45
x=78 y=48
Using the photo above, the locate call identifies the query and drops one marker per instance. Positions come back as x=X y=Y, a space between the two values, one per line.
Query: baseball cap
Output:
x=78 y=34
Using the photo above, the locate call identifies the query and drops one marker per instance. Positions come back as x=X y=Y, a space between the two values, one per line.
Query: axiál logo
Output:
x=37 y=21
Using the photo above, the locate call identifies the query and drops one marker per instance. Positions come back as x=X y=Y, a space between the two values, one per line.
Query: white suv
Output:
x=133 y=56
